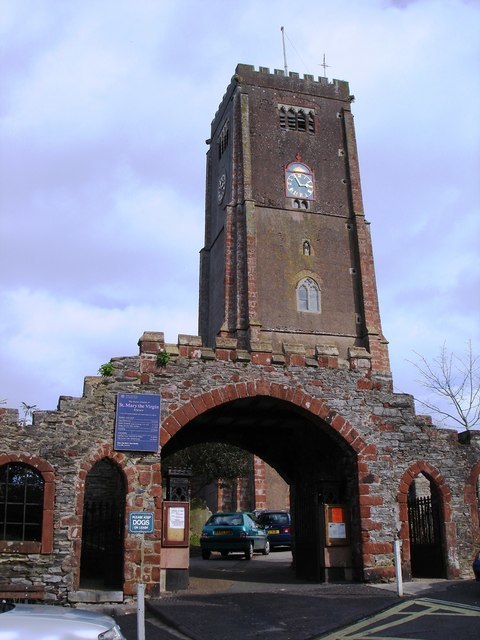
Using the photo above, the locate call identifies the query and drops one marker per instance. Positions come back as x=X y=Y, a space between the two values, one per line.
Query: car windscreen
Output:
x=275 y=518
x=226 y=520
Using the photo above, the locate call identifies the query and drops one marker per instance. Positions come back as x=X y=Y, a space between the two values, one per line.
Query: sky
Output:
x=105 y=106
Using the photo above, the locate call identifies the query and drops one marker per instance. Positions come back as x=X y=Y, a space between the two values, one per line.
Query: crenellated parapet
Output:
x=327 y=355
x=293 y=81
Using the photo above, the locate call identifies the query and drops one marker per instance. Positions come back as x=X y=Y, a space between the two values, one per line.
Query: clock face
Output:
x=299 y=181
x=299 y=185
x=222 y=185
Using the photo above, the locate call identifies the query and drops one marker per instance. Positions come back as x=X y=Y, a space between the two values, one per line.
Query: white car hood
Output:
x=45 y=622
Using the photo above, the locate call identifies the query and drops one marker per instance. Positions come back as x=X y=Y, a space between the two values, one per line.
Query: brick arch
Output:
x=48 y=474
x=365 y=453
x=134 y=475
x=472 y=500
x=449 y=534
x=235 y=391
x=104 y=451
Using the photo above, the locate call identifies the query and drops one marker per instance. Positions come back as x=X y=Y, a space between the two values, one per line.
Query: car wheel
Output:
x=224 y=554
x=266 y=549
x=206 y=554
x=249 y=552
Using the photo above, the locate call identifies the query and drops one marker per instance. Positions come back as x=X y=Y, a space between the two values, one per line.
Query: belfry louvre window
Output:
x=223 y=140
x=21 y=503
x=308 y=296
x=296 y=118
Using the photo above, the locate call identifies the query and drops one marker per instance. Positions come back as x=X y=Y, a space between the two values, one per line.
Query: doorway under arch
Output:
x=101 y=565
x=319 y=466
x=425 y=525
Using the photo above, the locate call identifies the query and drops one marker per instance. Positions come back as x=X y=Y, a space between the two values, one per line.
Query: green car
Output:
x=233 y=532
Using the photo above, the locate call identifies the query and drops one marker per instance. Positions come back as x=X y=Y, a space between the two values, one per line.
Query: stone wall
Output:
x=392 y=446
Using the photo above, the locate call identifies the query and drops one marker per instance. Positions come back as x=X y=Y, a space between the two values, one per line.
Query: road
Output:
x=232 y=598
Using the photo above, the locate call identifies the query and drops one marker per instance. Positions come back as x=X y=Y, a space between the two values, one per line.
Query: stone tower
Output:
x=287 y=264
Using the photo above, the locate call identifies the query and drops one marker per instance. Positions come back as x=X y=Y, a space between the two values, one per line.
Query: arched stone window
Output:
x=21 y=503
x=308 y=296
x=27 y=495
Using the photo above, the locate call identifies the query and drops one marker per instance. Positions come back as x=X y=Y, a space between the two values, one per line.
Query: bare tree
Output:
x=455 y=379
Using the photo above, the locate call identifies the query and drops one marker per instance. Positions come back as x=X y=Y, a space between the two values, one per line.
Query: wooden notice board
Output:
x=175 y=524
x=337 y=526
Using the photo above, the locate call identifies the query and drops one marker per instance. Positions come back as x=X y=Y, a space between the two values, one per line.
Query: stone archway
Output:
x=325 y=441
x=103 y=524
x=143 y=490
x=442 y=538
x=180 y=416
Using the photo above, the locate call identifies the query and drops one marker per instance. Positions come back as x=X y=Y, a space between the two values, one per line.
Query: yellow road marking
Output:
x=400 y=614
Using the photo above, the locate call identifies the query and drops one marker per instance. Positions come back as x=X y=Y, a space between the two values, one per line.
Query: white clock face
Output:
x=222 y=185
x=299 y=185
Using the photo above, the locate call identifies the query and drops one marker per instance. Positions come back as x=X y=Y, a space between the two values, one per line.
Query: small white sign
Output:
x=337 y=530
x=177 y=518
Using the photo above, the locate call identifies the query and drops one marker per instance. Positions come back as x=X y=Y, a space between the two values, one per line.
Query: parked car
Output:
x=278 y=526
x=476 y=567
x=50 y=622
x=233 y=532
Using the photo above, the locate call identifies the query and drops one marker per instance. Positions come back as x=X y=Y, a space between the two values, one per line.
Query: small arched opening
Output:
x=425 y=525
x=101 y=565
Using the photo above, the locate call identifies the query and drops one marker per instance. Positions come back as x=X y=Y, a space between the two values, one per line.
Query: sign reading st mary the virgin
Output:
x=137 y=423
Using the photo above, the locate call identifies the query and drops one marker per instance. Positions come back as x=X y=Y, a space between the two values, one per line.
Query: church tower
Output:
x=287 y=263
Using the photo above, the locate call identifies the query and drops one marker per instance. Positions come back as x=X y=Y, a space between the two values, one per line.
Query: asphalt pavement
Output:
x=241 y=600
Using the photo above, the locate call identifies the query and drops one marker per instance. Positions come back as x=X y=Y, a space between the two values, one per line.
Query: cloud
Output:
x=49 y=344
x=105 y=109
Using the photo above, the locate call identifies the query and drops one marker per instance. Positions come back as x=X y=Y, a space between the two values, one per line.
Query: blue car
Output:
x=278 y=526
x=233 y=532
x=476 y=567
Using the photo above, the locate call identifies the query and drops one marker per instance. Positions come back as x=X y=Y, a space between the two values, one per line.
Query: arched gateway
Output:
x=290 y=364
x=310 y=445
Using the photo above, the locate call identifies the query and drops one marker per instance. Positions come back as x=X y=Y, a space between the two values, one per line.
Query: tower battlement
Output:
x=293 y=82
x=243 y=70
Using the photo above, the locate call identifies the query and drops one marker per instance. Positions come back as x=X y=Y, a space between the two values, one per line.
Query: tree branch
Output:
x=455 y=378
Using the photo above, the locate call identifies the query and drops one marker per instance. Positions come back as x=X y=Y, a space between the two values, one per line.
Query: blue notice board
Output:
x=137 y=423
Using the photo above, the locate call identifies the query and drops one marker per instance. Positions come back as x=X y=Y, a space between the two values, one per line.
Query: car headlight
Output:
x=112 y=634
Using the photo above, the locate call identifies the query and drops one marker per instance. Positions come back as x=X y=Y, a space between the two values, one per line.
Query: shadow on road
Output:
x=271 y=570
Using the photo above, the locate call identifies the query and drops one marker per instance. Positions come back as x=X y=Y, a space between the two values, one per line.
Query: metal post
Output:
x=284 y=52
x=140 y=611
x=398 y=566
